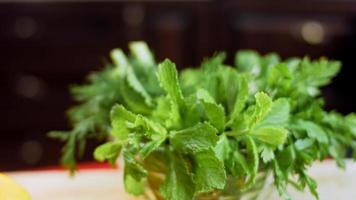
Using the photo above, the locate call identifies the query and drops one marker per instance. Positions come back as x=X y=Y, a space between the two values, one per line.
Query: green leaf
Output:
x=152 y=129
x=151 y=146
x=310 y=75
x=133 y=186
x=125 y=122
x=337 y=152
x=120 y=60
x=198 y=138
x=286 y=158
x=134 y=100
x=222 y=148
x=248 y=61
x=211 y=77
x=215 y=61
x=280 y=181
x=125 y=69
x=164 y=112
x=133 y=168
x=237 y=165
x=302 y=144
x=313 y=130
x=215 y=112
x=271 y=59
x=60 y=135
x=241 y=97
x=262 y=108
x=278 y=115
x=119 y=118
x=252 y=162
x=191 y=115
x=142 y=53
x=190 y=80
x=108 y=151
x=209 y=172
x=137 y=86
x=168 y=77
x=178 y=184
x=204 y=96
x=239 y=125
x=310 y=182
x=68 y=157
x=351 y=123
x=267 y=153
x=319 y=73
x=134 y=175
x=228 y=80
x=271 y=135
x=280 y=76
x=210 y=123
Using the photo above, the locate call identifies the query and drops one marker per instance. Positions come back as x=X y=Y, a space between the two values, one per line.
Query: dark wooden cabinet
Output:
x=45 y=47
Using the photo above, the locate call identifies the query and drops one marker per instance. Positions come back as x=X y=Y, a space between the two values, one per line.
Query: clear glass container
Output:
x=230 y=192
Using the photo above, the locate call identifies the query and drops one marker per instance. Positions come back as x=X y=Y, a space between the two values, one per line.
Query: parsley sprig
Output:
x=206 y=126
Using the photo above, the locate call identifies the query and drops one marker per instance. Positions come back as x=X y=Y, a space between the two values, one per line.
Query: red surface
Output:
x=81 y=166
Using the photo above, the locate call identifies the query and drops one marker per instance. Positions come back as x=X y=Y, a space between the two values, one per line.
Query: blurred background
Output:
x=46 y=45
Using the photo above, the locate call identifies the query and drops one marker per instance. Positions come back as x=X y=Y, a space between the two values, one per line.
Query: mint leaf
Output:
x=178 y=184
x=119 y=119
x=304 y=143
x=262 y=108
x=134 y=175
x=128 y=76
x=108 y=151
x=278 y=115
x=208 y=128
x=142 y=53
x=120 y=60
x=270 y=135
x=351 y=123
x=133 y=99
x=286 y=158
x=151 y=146
x=280 y=76
x=211 y=77
x=313 y=130
x=134 y=168
x=150 y=128
x=280 y=181
x=137 y=86
x=237 y=165
x=228 y=87
x=247 y=61
x=209 y=172
x=198 y=138
x=252 y=162
x=222 y=148
x=168 y=77
x=241 y=97
x=68 y=158
x=133 y=186
x=215 y=112
x=267 y=153
x=125 y=123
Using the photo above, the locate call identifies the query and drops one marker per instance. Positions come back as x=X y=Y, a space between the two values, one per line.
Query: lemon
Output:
x=10 y=190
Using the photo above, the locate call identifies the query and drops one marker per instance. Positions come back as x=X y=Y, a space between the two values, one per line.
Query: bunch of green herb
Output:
x=206 y=126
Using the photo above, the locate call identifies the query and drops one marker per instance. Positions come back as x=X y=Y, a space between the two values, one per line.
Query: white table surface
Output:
x=106 y=184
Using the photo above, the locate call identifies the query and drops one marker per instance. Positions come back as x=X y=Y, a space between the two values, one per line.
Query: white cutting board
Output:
x=106 y=184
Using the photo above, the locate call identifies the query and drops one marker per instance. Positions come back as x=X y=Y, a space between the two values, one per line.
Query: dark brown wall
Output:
x=44 y=47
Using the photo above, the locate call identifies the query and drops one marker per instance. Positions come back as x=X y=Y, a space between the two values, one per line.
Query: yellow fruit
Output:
x=10 y=190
